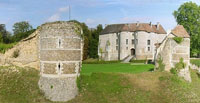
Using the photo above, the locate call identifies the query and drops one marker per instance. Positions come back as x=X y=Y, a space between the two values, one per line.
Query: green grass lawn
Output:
x=88 y=69
x=104 y=83
x=195 y=61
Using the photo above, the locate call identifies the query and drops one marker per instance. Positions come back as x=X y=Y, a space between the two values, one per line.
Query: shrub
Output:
x=138 y=61
x=161 y=65
x=96 y=61
x=173 y=71
x=180 y=65
x=178 y=39
x=16 y=53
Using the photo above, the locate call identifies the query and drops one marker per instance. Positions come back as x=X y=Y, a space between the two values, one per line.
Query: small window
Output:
x=126 y=48
x=148 y=48
x=116 y=47
x=126 y=41
x=148 y=42
x=133 y=41
x=116 y=41
x=136 y=41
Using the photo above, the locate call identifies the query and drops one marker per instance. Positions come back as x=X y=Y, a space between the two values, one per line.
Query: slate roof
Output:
x=180 y=31
x=114 y=28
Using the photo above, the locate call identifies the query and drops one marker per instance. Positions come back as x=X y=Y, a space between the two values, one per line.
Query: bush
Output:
x=138 y=61
x=173 y=71
x=178 y=39
x=161 y=65
x=16 y=53
x=180 y=65
x=96 y=61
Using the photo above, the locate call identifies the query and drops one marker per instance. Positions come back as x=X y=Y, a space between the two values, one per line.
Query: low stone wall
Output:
x=28 y=53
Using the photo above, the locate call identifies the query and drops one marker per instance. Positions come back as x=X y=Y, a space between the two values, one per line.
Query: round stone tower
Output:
x=60 y=55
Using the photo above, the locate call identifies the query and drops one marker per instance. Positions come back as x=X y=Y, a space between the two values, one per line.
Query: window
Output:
x=136 y=41
x=116 y=47
x=126 y=41
x=148 y=48
x=116 y=41
x=148 y=42
x=126 y=48
x=133 y=41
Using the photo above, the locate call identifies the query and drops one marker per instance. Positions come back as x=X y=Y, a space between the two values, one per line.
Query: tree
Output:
x=21 y=27
x=94 y=41
x=188 y=15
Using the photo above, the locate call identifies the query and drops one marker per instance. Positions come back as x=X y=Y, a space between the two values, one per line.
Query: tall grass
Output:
x=5 y=47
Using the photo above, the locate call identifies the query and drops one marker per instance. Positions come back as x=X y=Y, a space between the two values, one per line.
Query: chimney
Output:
x=150 y=24
x=158 y=25
x=138 y=23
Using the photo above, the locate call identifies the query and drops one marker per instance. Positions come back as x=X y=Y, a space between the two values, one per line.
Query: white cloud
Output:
x=56 y=16
x=63 y=9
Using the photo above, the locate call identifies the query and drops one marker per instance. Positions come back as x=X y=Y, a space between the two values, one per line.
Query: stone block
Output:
x=49 y=68
x=60 y=55
x=69 y=68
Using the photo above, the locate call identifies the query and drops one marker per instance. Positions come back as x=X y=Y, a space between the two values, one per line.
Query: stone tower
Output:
x=60 y=55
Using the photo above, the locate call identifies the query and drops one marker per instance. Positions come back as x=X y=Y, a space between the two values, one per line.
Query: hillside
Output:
x=19 y=85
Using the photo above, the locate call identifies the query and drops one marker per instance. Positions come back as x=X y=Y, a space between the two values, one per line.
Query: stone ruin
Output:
x=171 y=52
x=56 y=50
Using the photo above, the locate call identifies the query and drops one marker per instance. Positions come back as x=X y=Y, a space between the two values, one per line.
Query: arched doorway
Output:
x=132 y=51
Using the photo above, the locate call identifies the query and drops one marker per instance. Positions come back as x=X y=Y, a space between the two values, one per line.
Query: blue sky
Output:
x=92 y=12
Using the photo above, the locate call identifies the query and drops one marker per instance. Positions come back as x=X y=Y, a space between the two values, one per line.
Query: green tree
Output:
x=94 y=41
x=188 y=15
x=21 y=27
x=1 y=38
x=21 y=30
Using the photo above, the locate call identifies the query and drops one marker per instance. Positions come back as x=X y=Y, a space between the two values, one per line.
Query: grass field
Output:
x=103 y=83
x=88 y=69
x=195 y=61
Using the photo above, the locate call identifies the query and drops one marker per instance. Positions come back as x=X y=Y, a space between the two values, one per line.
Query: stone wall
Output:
x=171 y=53
x=28 y=53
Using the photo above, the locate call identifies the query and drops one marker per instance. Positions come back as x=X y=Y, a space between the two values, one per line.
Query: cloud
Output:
x=56 y=16
x=94 y=22
x=64 y=9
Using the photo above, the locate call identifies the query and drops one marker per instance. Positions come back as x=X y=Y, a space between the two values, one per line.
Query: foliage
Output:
x=21 y=27
x=173 y=71
x=188 y=15
x=161 y=65
x=5 y=47
x=180 y=65
x=94 y=41
x=16 y=53
x=195 y=62
x=178 y=39
x=138 y=61
x=96 y=61
x=20 y=36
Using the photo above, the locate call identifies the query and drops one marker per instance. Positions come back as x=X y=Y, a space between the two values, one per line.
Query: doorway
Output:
x=132 y=51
